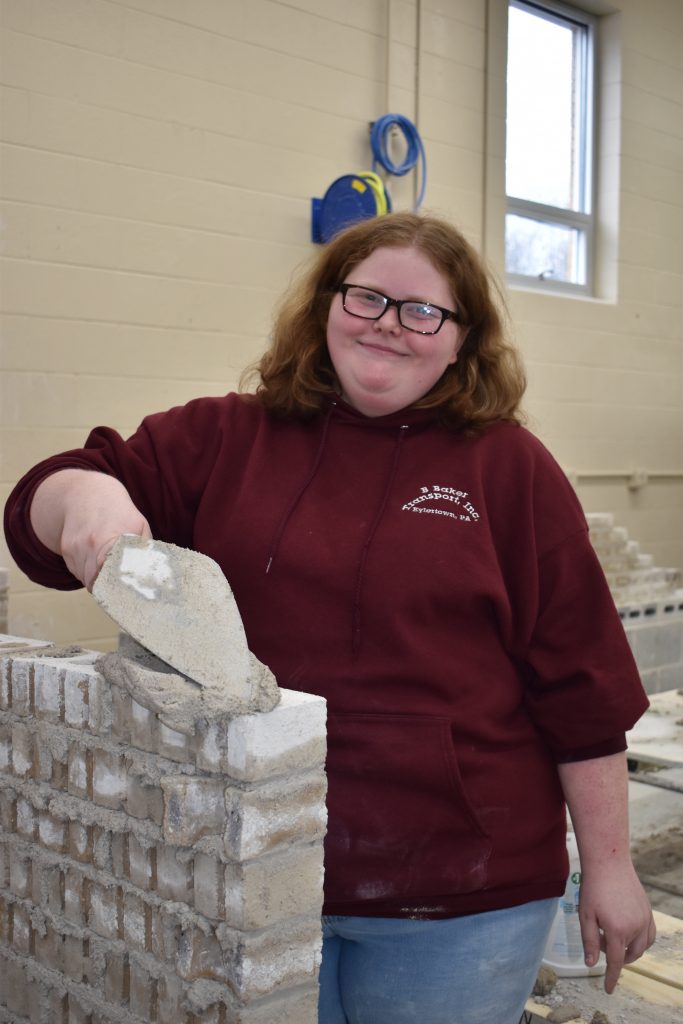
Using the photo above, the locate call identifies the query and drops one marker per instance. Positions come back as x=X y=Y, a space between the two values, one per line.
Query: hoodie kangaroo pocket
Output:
x=400 y=823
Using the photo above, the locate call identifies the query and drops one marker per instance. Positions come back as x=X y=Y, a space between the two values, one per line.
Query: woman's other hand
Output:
x=79 y=514
x=615 y=917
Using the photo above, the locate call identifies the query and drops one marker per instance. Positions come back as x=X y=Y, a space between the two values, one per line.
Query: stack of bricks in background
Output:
x=150 y=875
x=649 y=600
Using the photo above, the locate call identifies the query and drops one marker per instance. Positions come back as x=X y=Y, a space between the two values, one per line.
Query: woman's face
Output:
x=381 y=366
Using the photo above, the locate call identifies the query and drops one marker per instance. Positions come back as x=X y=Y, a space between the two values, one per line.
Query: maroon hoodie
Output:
x=439 y=590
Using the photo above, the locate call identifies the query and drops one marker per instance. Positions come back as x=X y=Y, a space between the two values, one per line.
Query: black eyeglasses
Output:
x=421 y=317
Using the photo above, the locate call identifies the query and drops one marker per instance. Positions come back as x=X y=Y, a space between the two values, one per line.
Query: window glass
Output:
x=548 y=167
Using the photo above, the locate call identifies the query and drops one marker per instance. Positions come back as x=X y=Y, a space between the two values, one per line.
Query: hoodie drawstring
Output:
x=300 y=493
x=360 y=577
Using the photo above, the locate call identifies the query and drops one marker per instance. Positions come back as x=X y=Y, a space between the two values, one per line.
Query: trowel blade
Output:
x=178 y=604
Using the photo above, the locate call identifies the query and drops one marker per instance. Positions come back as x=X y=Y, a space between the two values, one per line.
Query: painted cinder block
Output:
x=268 y=890
x=289 y=738
x=276 y=813
x=282 y=956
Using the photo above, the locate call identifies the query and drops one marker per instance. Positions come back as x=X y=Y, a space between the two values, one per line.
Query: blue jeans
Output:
x=477 y=969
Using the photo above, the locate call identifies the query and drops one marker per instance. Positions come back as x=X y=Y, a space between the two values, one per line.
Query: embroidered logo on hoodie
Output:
x=465 y=511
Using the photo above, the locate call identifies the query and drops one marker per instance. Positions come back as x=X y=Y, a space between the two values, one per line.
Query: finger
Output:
x=614 y=952
x=590 y=936
x=642 y=941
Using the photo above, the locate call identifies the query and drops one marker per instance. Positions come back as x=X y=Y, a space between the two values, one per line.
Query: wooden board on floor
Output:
x=657 y=978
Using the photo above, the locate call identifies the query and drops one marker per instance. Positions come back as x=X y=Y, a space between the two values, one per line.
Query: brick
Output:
x=21 y=686
x=76 y=897
x=5 y=748
x=109 y=779
x=52 y=832
x=174 y=876
x=121 y=714
x=260 y=962
x=8 y=810
x=20 y=874
x=143 y=727
x=199 y=956
x=73 y=957
x=26 y=819
x=87 y=699
x=48 y=945
x=43 y=766
x=293 y=1006
x=209 y=886
x=105 y=910
x=143 y=993
x=59 y=778
x=119 y=854
x=48 y=887
x=48 y=690
x=171 y=999
x=21 y=930
x=14 y=987
x=79 y=842
x=5 y=684
x=22 y=750
x=56 y=1006
x=262 y=892
x=144 y=800
x=192 y=808
x=117 y=978
x=78 y=1012
x=174 y=745
x=212 y=747
x=290 y=737
x=102 y=848
x=80 y=772
x=137 y=923
x=165 y=934
x=141 y=864
x=274 y=814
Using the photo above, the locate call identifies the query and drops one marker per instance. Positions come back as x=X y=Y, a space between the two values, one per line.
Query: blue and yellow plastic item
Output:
x=351 y=198
x=355 y=197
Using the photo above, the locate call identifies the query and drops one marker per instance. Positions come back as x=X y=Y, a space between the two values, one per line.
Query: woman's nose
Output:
x=389 y=320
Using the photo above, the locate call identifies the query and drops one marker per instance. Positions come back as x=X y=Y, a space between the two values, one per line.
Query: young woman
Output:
x=398 y=543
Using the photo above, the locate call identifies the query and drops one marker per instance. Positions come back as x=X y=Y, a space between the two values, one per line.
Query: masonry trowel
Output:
x=178 y=604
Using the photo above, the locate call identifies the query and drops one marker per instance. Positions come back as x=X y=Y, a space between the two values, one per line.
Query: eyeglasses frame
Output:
x=447 y=314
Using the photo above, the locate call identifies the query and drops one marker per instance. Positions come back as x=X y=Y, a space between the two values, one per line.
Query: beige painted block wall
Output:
x=157 y=161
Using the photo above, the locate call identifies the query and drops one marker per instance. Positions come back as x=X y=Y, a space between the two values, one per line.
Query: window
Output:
x=549 y=148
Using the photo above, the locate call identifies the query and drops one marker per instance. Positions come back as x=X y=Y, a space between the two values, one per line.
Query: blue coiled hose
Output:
x=415 y=149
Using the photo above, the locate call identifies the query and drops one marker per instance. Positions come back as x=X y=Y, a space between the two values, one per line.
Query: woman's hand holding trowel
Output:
x=79 y=514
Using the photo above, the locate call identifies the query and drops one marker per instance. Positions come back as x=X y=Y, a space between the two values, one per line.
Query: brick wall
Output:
x=148 y=874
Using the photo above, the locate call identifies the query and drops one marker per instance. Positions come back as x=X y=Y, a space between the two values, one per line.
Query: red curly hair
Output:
x=484 y=385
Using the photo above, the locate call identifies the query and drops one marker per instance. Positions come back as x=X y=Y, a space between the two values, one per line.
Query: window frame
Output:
x=584 y=219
